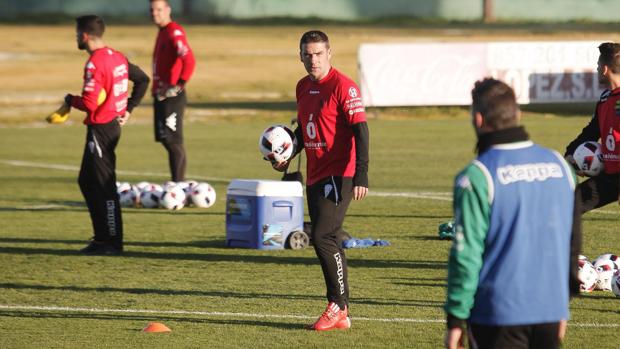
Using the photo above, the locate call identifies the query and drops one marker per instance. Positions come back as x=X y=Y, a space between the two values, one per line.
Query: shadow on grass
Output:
x=215 y=243
x=235 y=258
x=116 y=317
x=218 y=294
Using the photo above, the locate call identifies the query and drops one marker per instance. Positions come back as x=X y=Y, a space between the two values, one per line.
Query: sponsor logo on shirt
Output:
x=353 y=92
x=120 y=70
x=90 y=65
x=314 y=92
x=529 y=172
x=177 y=32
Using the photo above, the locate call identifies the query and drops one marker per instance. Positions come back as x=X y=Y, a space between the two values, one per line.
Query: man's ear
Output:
x=478 y=120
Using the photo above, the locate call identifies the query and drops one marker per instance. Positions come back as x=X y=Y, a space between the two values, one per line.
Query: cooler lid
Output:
x=257 y=187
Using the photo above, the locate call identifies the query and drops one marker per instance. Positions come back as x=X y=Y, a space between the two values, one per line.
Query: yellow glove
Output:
x=60 y=115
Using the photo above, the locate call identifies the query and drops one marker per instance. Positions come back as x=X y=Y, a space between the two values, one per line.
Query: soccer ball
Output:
x=128 y=195
x=142 y=185
x=203 y=195
x=615 y=285
x=151 y=195
x=173 y=198
x=606 y=269
x=589 y=158
x=277 y=143
x=169 y=184
x=587 y=276
x=608 y=256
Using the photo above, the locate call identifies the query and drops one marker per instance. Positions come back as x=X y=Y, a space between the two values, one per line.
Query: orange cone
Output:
x=156 y=327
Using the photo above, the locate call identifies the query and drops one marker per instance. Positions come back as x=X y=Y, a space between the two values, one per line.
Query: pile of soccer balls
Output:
x=170 y=195
x=602 y=274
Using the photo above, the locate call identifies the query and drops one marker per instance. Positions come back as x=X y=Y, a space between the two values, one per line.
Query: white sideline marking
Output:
x=19 y=163
x=204 y=313
x=247 y=315
x=428 y=195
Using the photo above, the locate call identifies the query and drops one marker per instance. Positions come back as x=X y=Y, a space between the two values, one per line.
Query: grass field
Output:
x=176 y=268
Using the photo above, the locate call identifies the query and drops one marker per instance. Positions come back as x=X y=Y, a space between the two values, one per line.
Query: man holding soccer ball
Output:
x=332 y=128
x=603 y=189
x=513 y=261
x=105 y=100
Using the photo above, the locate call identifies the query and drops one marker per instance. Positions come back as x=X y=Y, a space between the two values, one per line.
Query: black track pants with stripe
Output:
x=97 y=182
x=328 y=201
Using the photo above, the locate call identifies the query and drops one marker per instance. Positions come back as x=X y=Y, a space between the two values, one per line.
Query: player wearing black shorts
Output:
x=603 y=189
x=334 y=133
x=105 y=100
x=173 y=65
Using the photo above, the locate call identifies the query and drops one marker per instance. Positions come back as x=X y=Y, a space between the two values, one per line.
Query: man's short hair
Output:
x=497 y=103
x=610 y=55
x=314 y=36
x=91 y=25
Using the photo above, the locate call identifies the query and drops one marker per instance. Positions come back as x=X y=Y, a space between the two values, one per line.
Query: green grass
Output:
x=177 y=260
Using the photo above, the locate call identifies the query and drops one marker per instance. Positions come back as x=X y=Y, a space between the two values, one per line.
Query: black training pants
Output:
x=536 y=336
x=168 y=115
x=597 y=191
x=97 y=182
x=328 y=201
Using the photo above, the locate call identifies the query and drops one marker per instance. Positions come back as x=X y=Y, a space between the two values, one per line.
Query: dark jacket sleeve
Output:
x=361 y=134
x=140 y=84
x=575 y=246
x=300 y=141
x=589 y=133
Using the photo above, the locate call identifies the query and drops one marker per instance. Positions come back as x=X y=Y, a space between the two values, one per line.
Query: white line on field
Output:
x=439 y=196
x=243 y=315
x=203 y=313
x=20 y=163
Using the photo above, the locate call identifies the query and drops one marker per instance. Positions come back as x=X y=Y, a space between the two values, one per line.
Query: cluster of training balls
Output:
x=601 y=274
x=170 y=195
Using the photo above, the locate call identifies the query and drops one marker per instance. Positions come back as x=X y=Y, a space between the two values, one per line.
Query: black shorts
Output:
x=535 y=336
x=168 y=118
x=597 y=191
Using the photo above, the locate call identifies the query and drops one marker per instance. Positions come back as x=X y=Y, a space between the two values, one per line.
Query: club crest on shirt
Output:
x=352 y=92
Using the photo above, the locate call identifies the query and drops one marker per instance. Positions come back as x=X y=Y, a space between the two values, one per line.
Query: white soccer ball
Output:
x=168 y=184
x=587 y=276
x=142 y=185
x=606 y=269
x=203 y=195
x=615 y=285
x=128 y=195
x=151 y=196
x=277 y=143
x=173 y=198
x=589 y=158
x=608 y=256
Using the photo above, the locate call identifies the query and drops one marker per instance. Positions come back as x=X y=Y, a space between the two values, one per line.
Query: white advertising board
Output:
x=416 y=74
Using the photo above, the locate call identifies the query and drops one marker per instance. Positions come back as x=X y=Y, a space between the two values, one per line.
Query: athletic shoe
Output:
x=333 y=318
x=100 y=248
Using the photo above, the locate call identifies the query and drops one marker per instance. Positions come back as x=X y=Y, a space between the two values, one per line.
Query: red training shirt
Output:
x=326 y=109
x=173 y=59
x=105 y=76
x=608 y=112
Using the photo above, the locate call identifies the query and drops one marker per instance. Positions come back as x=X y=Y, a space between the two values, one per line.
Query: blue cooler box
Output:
x=261 y=214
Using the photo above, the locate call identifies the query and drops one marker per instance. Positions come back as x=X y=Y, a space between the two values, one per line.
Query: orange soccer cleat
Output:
x=333 y=318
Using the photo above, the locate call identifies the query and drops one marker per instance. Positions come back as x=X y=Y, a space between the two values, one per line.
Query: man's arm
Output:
x=93 y=93
x=589 y=133
x=362 y=139
x=140 y=84
x=185 y=54
x=471 y=215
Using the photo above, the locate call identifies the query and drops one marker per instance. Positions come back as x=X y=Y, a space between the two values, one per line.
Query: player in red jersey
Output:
x=333 y=130
x=603 y=189
x=173 y=65
x=104 y=99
